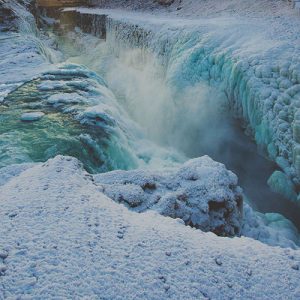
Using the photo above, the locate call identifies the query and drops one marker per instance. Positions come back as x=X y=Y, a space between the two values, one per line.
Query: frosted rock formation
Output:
x=201 y=192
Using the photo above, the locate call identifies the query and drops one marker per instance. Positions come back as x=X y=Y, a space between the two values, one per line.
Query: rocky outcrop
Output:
x=201 y=192
x=165 y=2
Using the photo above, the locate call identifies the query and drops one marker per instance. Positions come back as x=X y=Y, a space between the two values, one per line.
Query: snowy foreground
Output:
x=62 y=238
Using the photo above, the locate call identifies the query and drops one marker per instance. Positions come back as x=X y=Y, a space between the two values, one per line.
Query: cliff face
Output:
x=59 y=3
x=135 y=4
x=165 y=2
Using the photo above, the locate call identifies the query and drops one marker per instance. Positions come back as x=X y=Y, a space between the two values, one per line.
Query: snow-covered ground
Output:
x=61 y=237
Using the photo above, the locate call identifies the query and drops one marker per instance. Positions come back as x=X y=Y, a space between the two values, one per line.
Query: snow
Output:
x=61 y=237
x=9 y=172
x=65 y=98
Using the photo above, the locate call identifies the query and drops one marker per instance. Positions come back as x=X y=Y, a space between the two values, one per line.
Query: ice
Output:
x=65 y=98
x=32 y=116
x=271 y=228
x=279 y=182
x=59 y=232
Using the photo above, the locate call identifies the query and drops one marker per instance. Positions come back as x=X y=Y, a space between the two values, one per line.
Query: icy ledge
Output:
x=61 y=237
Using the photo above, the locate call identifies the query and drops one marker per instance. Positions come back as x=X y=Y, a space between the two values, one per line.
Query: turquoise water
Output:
x=55 y=133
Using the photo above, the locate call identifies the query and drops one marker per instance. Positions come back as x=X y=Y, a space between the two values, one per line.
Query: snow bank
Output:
x=61 y=237
x=11 y=171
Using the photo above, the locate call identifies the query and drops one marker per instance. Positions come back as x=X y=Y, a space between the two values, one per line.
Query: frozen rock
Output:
x=201 y=192
x=32 y=116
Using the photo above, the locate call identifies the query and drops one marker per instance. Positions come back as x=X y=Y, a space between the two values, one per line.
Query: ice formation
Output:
x=32 y=116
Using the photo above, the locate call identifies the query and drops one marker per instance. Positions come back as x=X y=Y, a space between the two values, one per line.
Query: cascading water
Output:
x=83 y=117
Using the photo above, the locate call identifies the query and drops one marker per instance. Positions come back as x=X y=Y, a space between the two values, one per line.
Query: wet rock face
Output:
x=165 y=2
x=202 y=193
x=7 y=19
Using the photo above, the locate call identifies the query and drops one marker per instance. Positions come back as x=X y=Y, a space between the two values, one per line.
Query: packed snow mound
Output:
x=201 y=192
x=11 y=171
x=62 y=237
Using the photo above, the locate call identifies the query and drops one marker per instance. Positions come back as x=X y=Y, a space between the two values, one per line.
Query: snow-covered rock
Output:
x=60 y=237
x=201 y=192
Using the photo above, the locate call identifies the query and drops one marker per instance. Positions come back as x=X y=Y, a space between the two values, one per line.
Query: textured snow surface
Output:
x=200 y=8
x=61 y=237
